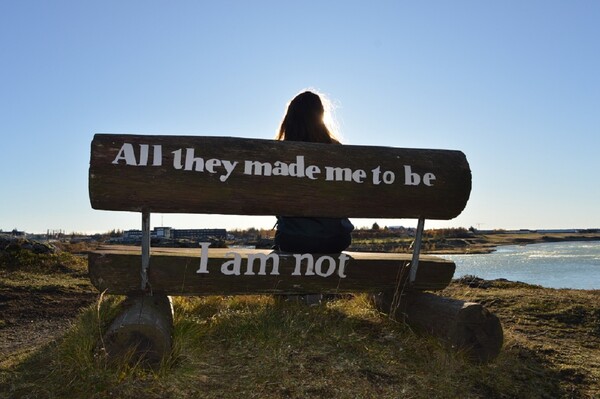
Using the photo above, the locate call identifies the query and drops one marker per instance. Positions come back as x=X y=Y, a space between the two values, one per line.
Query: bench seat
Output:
x=173 y=271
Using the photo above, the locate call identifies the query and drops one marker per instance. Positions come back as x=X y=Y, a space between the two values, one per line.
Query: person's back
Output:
x=304 y=122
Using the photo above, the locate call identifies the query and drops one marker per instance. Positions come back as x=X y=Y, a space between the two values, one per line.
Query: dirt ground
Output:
x=31 y=319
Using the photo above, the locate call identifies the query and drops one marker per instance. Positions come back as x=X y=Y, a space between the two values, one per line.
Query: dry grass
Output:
x=560 y=327
x=257 y=347
x=253 y=346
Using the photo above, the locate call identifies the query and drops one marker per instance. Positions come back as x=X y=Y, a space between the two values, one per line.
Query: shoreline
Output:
x=488 y=243
x=540 y=282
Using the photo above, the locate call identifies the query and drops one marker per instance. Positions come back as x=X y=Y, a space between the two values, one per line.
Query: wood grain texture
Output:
x=142 y=331
x=165 y=189
x=173 y=272
x=467 y=326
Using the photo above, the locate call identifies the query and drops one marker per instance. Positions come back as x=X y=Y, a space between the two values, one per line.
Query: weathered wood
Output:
x=266 y=177
x=174 y=272
x=161 y=184
x=142 y=331
x=467 y=326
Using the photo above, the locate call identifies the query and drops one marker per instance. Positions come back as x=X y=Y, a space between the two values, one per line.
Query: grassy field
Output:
x=253 y=346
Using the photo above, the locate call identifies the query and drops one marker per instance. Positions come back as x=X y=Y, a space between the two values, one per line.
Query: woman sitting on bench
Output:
x=304 y=121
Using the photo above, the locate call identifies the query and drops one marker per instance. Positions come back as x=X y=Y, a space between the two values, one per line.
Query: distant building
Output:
x=132 y=235
x=177 y=234
x=199 y=234
x=162 y=232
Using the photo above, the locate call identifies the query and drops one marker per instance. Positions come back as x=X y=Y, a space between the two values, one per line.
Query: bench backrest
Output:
x=225 y=175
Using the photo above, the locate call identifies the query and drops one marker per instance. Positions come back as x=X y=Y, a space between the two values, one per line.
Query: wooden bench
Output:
x=224 y=175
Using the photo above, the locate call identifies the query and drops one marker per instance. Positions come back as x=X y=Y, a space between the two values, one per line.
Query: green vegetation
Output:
x=53 y=261
x=53 y=269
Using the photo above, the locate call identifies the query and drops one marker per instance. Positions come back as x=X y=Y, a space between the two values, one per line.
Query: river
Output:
x=553 y=265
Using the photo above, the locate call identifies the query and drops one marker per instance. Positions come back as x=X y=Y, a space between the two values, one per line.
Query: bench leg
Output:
x=142 y=331
x=467 y=326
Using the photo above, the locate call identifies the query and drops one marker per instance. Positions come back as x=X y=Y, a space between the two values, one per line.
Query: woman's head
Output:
x=304 y=120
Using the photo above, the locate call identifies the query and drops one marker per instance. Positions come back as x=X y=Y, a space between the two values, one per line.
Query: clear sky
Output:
x=515 y=85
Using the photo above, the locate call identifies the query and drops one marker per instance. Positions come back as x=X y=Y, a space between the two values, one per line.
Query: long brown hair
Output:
x=304 y=121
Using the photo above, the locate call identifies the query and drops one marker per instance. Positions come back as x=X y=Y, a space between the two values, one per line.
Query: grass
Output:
x=560 y=327
x=257 y=347
x=23 y=269
x=253 y=346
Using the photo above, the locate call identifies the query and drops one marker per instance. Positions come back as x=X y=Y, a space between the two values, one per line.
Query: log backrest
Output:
x=225 y=175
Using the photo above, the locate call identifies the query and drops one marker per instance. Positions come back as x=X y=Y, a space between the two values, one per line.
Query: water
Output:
x=553 y=265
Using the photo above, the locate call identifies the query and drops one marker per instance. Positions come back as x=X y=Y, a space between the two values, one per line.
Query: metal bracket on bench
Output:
x=145 y=248
x=416 y=251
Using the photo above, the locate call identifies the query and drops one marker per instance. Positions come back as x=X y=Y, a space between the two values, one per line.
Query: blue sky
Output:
x=512 y=84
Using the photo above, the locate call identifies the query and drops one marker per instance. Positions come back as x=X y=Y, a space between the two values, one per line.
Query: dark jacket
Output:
x=316 y=235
